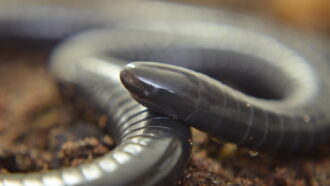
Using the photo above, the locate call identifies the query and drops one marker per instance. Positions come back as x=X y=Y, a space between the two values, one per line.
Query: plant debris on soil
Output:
x=40 y=130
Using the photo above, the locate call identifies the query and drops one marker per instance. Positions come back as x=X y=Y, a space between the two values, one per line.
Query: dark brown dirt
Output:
x=216 y=163
x=39 y=130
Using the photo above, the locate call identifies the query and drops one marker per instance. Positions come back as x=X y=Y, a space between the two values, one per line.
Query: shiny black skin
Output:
x=163 y=142
x=173 y=34
x=151 y=149
x=282 y=105
x=288 y=113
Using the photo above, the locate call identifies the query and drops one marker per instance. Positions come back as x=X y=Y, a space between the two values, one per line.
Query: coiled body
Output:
x=282 y=104
x=91 y=62
x=151 y=149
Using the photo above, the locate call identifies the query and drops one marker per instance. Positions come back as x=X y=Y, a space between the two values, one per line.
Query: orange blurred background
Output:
x=307 y=15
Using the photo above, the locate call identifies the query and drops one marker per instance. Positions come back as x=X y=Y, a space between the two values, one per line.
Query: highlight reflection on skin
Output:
x=217 y=109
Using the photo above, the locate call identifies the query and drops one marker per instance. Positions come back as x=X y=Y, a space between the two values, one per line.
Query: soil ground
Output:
x=40 y=130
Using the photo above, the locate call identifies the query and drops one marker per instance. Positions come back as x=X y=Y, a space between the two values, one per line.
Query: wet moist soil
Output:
x=40 y=130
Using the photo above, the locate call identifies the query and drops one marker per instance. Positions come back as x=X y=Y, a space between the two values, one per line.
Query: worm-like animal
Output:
x=291 y=115
x=279 y=99
x=151 y=149
x=283 y=100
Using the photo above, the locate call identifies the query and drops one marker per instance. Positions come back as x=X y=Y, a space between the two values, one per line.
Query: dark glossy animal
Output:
x=282 y=105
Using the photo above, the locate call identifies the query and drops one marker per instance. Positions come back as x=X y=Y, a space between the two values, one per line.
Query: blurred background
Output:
x=33 y=115
x=304 y=15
